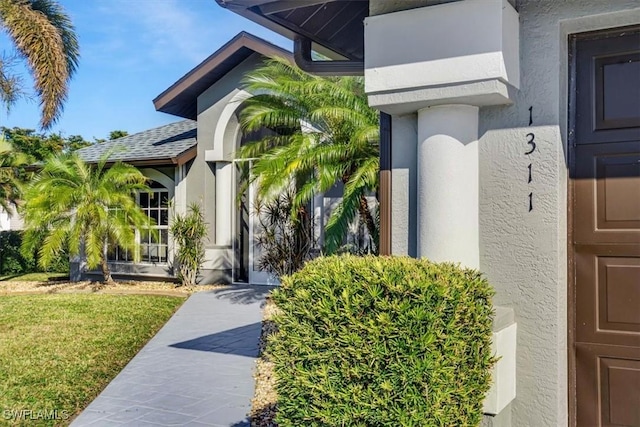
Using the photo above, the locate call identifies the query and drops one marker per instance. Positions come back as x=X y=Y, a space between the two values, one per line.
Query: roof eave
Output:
x=242 y=8
x=241 y=40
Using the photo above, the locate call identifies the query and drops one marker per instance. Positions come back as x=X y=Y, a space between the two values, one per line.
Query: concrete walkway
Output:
x=197 y=371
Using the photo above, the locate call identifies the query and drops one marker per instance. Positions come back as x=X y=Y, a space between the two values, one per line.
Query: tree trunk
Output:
x=370 y=223
x=106 y=272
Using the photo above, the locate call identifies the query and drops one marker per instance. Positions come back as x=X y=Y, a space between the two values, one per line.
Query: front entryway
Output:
x=604 y=213
x=246 y=250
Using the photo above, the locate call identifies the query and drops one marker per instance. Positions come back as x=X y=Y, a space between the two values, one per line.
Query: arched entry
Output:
x=236 y=223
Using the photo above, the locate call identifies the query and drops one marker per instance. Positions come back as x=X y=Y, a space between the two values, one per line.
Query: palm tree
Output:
x=324 y=132
x=70 y=202
x=45 y=38
x=11 y=165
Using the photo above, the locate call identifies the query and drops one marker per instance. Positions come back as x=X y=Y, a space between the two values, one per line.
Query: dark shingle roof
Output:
x=163 y=143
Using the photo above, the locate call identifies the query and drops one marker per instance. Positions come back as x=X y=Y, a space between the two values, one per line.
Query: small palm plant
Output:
x=189 y=232
x=324 y=132
x=71 y=204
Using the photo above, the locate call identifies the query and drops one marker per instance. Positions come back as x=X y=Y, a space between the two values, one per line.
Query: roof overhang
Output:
x=180 y=99
x=178 y=160
x=334 y=28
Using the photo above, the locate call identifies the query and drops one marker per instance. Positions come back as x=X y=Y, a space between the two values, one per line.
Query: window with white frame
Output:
x=153 y=249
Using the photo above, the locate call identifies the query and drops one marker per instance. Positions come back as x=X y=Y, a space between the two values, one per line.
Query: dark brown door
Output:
x=605 y=213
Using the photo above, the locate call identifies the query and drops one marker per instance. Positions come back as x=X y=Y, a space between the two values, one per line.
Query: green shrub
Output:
x=368 y=341
x=14 y=261
x=11 y=260
x=285 y=242
x=189 y=232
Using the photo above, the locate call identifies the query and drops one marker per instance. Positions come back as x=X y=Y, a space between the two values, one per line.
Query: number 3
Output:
x=531 y=142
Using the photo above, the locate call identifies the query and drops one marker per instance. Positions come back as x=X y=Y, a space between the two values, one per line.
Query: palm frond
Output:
x=332 y=136
x=44 y=36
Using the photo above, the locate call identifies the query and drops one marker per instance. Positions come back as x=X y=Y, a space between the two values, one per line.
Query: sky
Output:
x=131 y=50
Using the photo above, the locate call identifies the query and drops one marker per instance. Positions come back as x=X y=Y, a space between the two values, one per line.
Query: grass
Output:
x=57 y=352
x=35 y=277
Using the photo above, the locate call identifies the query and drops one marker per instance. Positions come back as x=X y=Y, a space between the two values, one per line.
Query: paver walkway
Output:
x=197 y=371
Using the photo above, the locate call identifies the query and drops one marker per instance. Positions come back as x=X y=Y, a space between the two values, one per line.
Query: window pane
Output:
x=153 y=253
x=153 y=214
x=144 y=252
x=164 y=199
x=122 y=254
x=163 y=253
x=164 y=217
x=164 y=236
x=111 y=254
x=144 y=200
x=155 y=198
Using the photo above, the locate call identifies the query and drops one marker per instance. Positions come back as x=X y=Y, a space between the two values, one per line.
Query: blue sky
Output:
x=131 y=50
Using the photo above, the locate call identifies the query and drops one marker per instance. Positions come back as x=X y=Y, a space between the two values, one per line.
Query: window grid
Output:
x=155 y=205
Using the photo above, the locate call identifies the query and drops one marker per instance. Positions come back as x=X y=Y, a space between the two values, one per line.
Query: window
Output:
x=152 y=249
x=156 y=206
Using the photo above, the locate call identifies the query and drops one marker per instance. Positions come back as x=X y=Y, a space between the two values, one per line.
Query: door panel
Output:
x=606 y=228
x=607 y=385
x=608 y=297
x=606 y=178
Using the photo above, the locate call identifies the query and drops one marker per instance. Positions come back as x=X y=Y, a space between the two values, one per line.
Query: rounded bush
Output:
x=382 y=341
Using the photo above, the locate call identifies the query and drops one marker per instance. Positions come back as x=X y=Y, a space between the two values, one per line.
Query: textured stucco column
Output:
x=224 y=202
x=447 y=184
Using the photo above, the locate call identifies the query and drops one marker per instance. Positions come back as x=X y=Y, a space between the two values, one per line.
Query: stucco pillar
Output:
x=224 y=202
x=447 y=184
x=404 y=136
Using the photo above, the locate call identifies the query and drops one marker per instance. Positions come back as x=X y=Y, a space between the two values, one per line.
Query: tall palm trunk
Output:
x=367 y=218
x=104 y=265
x=106 y=272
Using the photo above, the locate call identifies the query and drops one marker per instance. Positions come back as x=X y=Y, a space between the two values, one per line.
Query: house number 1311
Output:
x=531 y=143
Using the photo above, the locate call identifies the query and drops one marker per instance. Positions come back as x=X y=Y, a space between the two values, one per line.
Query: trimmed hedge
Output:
x=371 y=341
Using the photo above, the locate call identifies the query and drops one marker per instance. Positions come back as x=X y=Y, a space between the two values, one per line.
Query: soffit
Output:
x=335 y=26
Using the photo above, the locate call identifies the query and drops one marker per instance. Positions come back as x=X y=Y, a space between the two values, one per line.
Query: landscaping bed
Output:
x=58 y=351
x=64 y=286
x=263 y=405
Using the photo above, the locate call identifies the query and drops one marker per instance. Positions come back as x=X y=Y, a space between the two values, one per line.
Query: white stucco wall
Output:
x=4 y=220
x=524 y=253
x=11 y=221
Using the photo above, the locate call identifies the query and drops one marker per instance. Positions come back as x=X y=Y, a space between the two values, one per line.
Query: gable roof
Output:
x=180 y=99
x=174 y=143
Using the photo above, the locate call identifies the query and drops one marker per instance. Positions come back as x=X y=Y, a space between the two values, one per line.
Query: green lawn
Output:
x=35 y=277
x=57 y=352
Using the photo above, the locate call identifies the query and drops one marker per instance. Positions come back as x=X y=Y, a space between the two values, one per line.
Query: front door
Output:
x=605 y=236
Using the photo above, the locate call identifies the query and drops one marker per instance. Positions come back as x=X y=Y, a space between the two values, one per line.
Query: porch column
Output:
x=224 y=203
x=441 y=86
x=447 y=184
